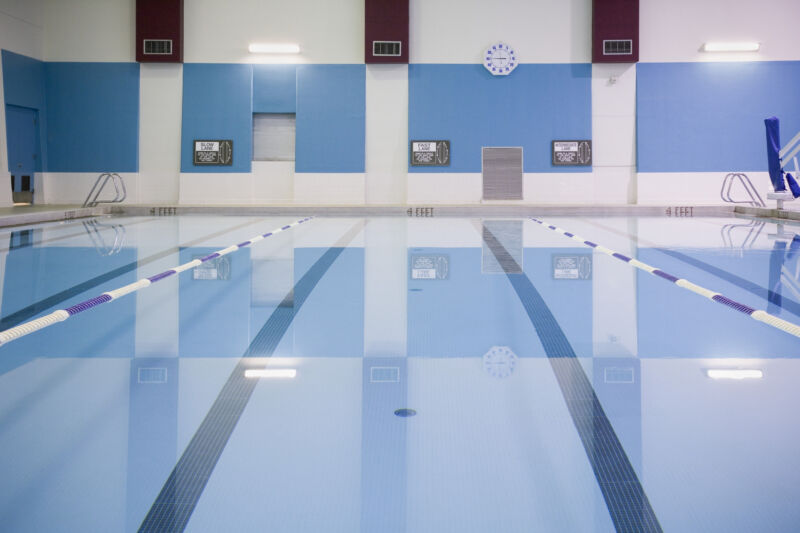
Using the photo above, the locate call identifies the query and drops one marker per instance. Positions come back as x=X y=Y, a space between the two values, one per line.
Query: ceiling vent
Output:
x=386 y=48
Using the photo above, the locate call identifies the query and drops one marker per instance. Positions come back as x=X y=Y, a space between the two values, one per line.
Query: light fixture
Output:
x=274 y=48
x=277 y=373
x=734 y=373
x=731 y=47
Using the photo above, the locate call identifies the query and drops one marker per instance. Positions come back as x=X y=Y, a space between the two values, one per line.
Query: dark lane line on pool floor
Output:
x=182 y=490
x=624 y=495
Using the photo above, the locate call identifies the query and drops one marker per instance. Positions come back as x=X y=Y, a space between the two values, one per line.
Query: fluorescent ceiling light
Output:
x=732 y=373
x=270 y=373
x=731 y=47
x=274 y=48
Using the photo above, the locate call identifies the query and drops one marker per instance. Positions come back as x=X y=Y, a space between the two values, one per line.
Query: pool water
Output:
x=401 y=375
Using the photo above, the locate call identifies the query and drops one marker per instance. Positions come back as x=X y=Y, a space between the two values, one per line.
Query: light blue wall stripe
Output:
x=218 y=104
x=23 y=80
x=531 y=107
x=92 y=117
x=709 y=117
x=331 y=109
x=274 y=88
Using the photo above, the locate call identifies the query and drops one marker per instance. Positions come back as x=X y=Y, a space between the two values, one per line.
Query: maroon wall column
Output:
x=159 y=20
x=615 y=20
x=386 y=20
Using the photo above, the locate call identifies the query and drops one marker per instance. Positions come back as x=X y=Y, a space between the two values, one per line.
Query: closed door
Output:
x=23 y=146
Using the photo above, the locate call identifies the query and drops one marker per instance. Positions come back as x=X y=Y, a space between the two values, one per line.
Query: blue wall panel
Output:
x=533 y=106
x=218 y=104
x=92 y=117
x=709 y=117
x=23 y=80
x=23 y=86
x=331 y=109
x=274 y=88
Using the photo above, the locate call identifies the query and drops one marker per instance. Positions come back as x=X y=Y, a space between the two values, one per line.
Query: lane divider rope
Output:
x=62 y=314
x=757 y=314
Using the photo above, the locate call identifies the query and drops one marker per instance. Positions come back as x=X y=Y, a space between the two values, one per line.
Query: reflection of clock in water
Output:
x=500 y=59
x=499 y=361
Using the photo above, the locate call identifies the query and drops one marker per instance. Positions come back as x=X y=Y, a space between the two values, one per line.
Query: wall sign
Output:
x=213 y=153
x=572 y=153
x=218 y=268
x=430 y=153
x=578 y=266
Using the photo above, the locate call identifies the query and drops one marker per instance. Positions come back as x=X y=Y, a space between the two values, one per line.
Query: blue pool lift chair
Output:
x=778 y=158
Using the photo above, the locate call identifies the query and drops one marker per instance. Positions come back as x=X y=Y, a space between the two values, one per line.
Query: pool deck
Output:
x=21 y=215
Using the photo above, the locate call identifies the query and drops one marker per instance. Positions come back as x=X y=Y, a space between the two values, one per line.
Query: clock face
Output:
x=499 y=361
x=500 y=59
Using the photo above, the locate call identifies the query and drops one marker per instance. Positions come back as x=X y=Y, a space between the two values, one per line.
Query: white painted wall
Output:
x=89 y=30
x=675 y=30
x=548 y=31
x=161 y=97
x=327 y=32
x=21 y=29
x=386 y=149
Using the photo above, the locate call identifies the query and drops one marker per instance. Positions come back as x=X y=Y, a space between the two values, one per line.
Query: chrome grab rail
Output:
x=119 y=186
x=95 y=228
x=755 y=198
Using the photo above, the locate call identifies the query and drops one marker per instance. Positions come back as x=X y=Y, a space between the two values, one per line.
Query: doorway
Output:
x=24 y=157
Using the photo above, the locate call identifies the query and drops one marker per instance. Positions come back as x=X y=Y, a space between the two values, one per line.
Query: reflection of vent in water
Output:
x=508 y=236
x=157 y=47
x=152 y=375
x=502 y=173
x=616 y=374
x=384 y=374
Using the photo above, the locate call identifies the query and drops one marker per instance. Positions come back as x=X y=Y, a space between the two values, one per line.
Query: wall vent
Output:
x=618 y=47
x=158 y=47
x=502 y=173
x=387 y=48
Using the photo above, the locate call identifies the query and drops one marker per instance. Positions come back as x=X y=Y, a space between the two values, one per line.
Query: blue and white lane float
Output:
x=62 y=314
x=758 y=314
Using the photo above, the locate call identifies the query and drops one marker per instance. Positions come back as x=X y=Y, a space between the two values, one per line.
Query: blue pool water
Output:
x=439 y=374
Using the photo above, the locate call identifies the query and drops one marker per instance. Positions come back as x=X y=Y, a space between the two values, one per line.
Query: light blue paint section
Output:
x=531 y=107
x=92 y=117
x=709 y=117
x=217 y=104
x=331 y=108
x=274 y=88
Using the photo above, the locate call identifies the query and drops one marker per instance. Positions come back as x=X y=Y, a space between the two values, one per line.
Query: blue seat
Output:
x=780 y=178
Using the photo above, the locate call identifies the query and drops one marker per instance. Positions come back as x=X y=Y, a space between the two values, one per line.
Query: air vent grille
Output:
x=386 y=48
x=502 y=173
x=158 y=47
x=620 y=47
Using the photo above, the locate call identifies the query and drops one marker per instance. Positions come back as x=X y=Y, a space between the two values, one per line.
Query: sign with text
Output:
x=213 y=153
x=572 y=153
x=430 y=153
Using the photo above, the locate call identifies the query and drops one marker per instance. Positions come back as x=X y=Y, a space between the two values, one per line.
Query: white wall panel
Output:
x=89 y=30
x=675 y=30
x=386 y=147
x=549 y=31
x=329 y=188
x=694 y=188
x=328 y=32
x=160 y=94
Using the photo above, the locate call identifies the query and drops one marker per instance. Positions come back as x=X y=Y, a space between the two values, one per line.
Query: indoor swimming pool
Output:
x=388 y=374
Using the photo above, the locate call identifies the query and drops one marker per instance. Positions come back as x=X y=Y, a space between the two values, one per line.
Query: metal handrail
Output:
x=755 y=198
x=119 y=187
x=93 y=228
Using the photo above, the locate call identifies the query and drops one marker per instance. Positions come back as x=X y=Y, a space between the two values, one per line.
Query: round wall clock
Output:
x=500 y=59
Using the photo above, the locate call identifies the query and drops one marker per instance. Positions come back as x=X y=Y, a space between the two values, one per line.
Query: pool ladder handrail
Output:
x=755 y=198
x=119 y=186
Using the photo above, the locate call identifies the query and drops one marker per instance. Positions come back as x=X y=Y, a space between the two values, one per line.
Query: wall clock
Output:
x=500 y=59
